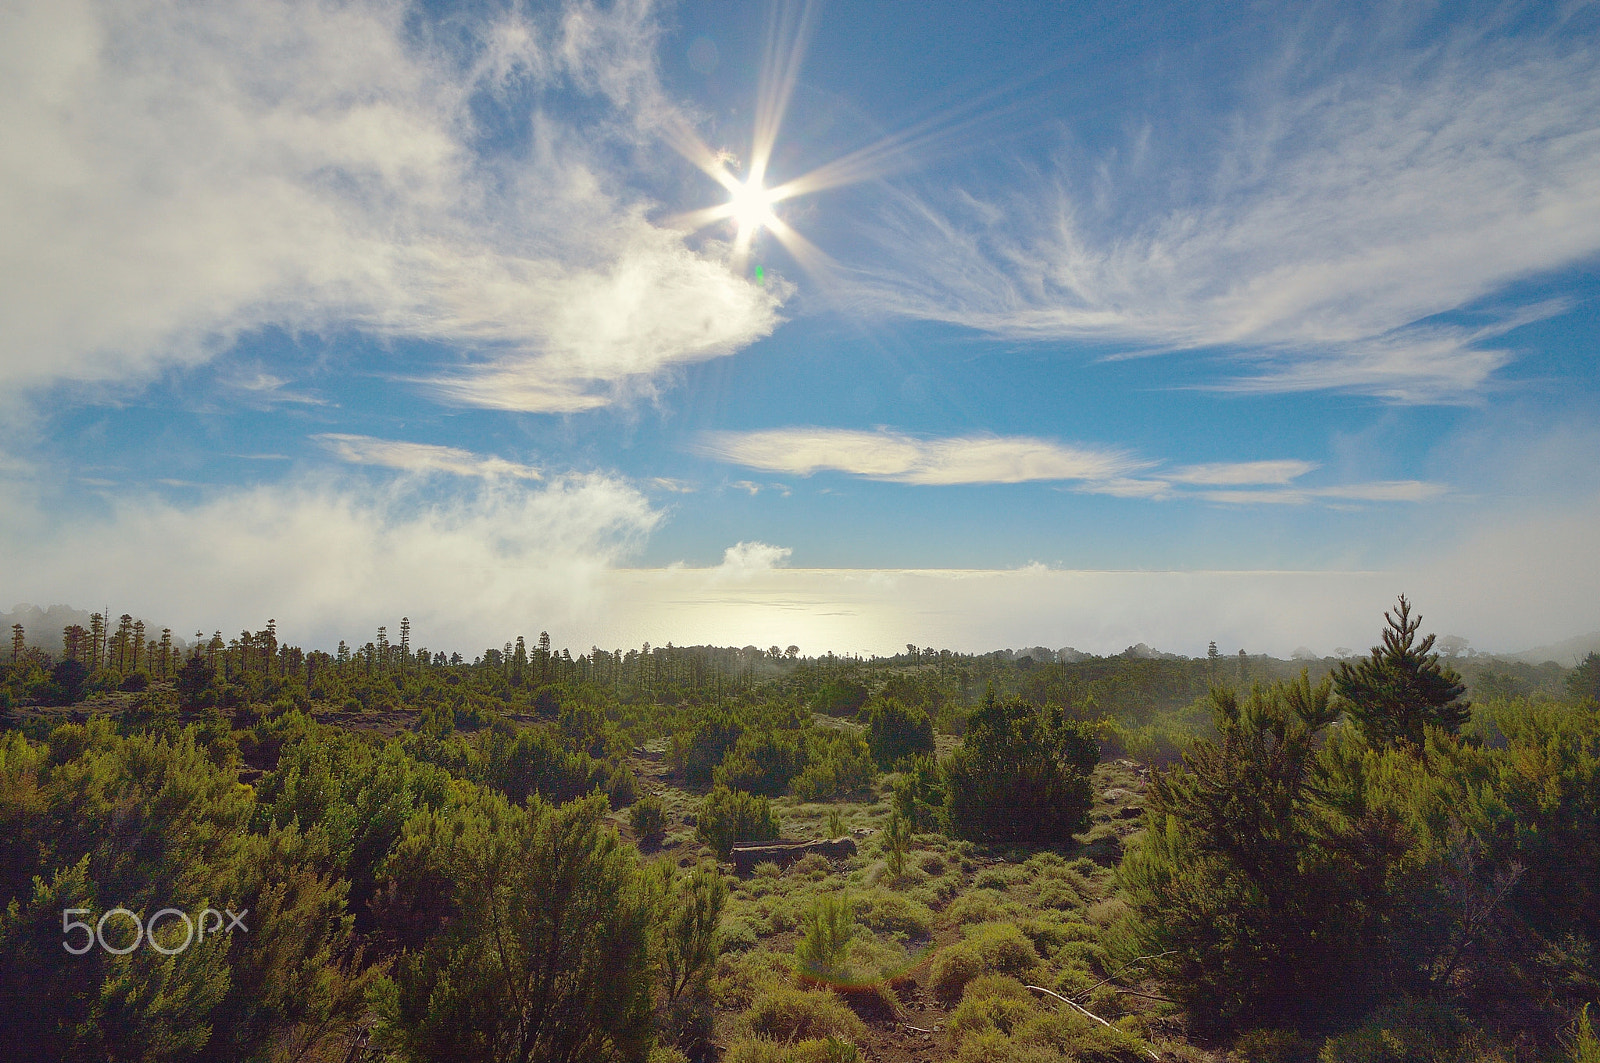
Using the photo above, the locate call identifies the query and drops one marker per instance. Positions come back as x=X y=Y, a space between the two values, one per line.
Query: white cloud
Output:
x=1128 y=487
x=422 y=457
x=754 y=556
x=885 y=455
x=330 y=559
x=898 y=458
x=1243 y=472
x=176 y=174
x=1335 y=219
x=1376 y=491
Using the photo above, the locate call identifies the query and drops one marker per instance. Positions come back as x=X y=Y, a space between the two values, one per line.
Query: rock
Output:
x=746 y=857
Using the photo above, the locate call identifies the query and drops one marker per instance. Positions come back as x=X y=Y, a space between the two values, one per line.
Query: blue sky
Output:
x=1083 y=324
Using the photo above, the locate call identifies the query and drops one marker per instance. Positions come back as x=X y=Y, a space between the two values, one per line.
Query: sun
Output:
x=750 y=205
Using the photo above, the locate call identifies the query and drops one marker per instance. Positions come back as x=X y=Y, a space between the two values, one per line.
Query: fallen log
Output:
x=746 y=857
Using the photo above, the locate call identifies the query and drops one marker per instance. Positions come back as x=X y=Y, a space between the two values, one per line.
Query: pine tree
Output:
x=97 y=635
x=19 y=640
x=124 y=634
x=405 y=643
x=1402 y=687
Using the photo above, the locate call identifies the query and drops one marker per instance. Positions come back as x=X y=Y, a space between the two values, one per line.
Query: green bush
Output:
x=993 y=1002
x=621 y=787
x=895 y=731
x=1230 y=880
x=698 y=750
x=1269 y=1046
x=1020 y=777
x=761 y=762
x=891 y=913
x=1583 y=1045
x=989 y=948
x=828 y=925
x=921 y=794
x=840 y=697
x=784 y=1014
x=734 y=817
x=839 y=767
x=550 y=946
x=648 y=818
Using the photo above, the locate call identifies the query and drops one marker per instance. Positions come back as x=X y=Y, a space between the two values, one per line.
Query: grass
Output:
x=936 y=957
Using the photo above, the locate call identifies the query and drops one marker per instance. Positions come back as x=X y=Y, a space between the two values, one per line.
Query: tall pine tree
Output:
x=1402 y=687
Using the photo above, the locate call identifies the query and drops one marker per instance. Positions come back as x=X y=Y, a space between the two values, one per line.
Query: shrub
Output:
x=920 y=794
x=689 y=938
x=785 y=1014
x=989 y=948
x=553 y=889
x=621 y=787
x=761 y=762
x=648 y=817
x=1269 y=1046
x=1019 y=776
x=836 y=828
x=1583 y=1045
x=534 y=761
x=839 y=767
x=1234 y=883
x=829 y=925
x=890 y=913
x=896 y=843
x=738 y=935
x=895 y=731
x=993 y=1002
x=999 y=878
x=68 y=678
x=841 y=697
x=733 y=817
x=699 y=750
x=817 y=1050
x=976 y=906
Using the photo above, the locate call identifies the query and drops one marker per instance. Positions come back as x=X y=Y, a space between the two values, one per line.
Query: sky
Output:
x=839 y=325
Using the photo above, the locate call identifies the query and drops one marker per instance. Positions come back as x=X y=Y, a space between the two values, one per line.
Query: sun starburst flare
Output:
x=751 y=201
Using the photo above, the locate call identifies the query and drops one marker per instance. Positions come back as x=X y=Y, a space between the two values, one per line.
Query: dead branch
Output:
x=1085 y=1011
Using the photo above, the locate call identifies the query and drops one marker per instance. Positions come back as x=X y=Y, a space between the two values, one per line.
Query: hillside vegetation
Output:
x=522 y=857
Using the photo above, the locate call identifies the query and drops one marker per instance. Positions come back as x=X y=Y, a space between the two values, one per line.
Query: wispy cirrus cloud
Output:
x=1242 y=472
x=178 y=175
x=1315 y=245
x=422 y=458
x=899 y=458
x=1373 y=491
